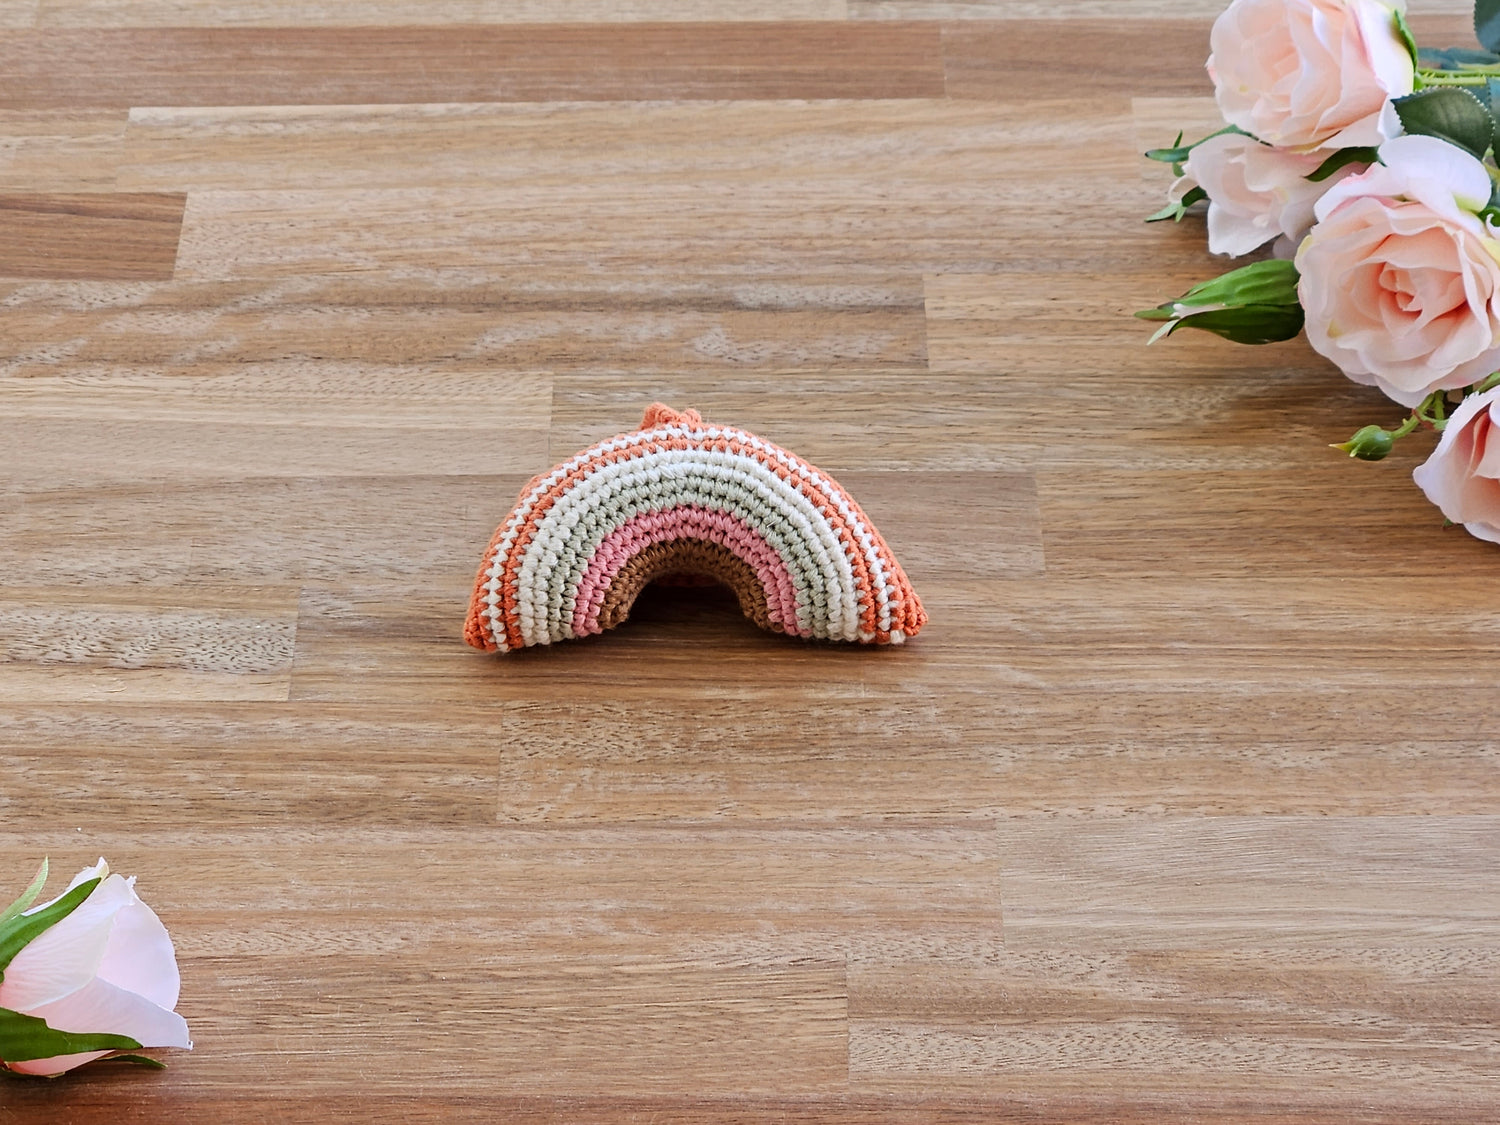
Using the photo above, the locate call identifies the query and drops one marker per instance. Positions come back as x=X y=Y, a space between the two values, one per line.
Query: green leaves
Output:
x=1175 y=211
x=1449 y=113
x=1255 y=304
x=1340 y=159
x=24 y=1037
x=28 y=896
x=1487 y=23
x=16 y=933
x=1403 y=31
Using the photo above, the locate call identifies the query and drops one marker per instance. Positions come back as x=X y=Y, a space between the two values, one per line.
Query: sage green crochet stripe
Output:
x=624 y=505
x=631 y=491
x=714 y=487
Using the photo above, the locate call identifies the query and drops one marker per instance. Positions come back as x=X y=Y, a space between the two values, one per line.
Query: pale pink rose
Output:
x=106 y=968
x=1256 y=192
x=1462 y=477
x=1400 y=278
x=1311 y=73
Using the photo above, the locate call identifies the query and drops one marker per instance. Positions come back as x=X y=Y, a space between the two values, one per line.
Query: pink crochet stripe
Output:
x=685 y=522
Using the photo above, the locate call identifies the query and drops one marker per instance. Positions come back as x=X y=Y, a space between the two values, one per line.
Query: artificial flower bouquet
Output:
x=1368 y=166
x=89 y=975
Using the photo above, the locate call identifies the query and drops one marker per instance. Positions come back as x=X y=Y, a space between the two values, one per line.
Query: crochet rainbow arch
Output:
x=682 y=500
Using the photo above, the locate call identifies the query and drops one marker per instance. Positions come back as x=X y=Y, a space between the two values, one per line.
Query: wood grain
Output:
x=71 y=645
x=175 y=66
x=385 y=13
x=90 y=236
x=1261 y=883
x=60 y=150
x=1183 y=808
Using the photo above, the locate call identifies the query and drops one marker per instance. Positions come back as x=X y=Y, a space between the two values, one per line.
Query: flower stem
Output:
x=1478 y=76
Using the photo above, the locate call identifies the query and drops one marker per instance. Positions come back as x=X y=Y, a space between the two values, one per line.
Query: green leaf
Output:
x=1450 y=114
x=24 y=1037
x=1175 y=211
x=28 y=896
x=1340 y=159
x=1487 y=23
x=139 y=1060
x=16 y=934
x=1403 y=30
x=1492 y=103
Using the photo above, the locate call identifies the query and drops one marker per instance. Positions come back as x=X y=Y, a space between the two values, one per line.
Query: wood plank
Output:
x=516 y=326
x=100 y=236
x=1067 y=12
x=60 y=150
x=1027 y=59
x=907 y=149
x=388 y=532
x=85 y=1105
x=20 y=13
x=385 y=13
x=1349 y=518
x=310 y=418
x=1259 y=882
x=1148 y=52
x=61 y=645
x=915 y=752
x=631 y=897
x=1171 y=634
x=95 y=766
x=529 y=62
x=858 y=244
x=1259 y=1033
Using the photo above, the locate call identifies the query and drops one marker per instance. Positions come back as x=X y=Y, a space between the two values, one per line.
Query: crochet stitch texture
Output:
x=681 y=500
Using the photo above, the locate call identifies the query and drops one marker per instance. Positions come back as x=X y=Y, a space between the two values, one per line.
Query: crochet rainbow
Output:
x=680 y=499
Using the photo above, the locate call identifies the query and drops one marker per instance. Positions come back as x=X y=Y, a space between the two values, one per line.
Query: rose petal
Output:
x=102 y=1008
x=64 y=958
x=139 y=956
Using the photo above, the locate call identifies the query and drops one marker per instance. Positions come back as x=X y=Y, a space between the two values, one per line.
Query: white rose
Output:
x=106 y=968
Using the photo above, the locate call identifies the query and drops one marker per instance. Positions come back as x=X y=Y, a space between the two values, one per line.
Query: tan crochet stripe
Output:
x=678 y=559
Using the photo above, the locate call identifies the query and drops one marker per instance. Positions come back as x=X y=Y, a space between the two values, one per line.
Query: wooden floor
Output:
x=1184 y=808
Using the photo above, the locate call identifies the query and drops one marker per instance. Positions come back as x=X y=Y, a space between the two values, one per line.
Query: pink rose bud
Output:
x=1400 y=277
x=106 y=968
x=1462 y=477
x=1311 y=73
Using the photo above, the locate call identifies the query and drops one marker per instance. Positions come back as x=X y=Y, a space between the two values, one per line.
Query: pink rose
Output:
x=1256 y=192
x=1311 y=73
x=1462 y=477
x=1400 y=278
x=108 y=967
